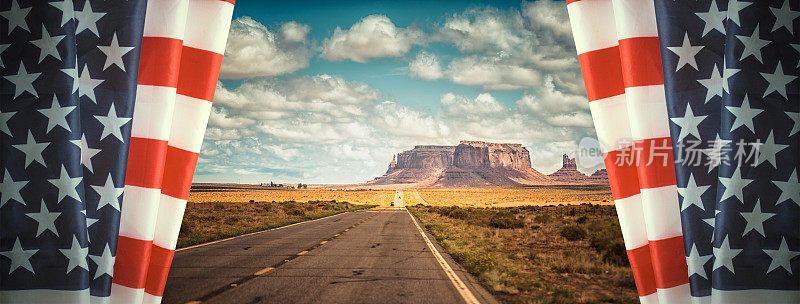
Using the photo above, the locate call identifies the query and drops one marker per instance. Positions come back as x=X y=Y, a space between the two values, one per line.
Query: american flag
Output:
x=716 y=83
x=95 y=168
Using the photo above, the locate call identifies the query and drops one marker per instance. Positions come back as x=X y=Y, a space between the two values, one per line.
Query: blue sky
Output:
x=388 y=74
x=327 y=92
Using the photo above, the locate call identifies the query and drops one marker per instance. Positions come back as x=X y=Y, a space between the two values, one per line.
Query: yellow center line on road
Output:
x=323 y=242
x=302 y=252
x=263 y=271
x=193 y=302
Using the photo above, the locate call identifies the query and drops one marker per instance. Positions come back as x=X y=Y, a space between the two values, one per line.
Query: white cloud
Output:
x=482 y=105
x=549 y=100
x=294 y=32
x=557 y=108
x=253 y=50
x=425 y=66
x=512 y=49
x=322 y=129
x=492 y=73
x=374 y=36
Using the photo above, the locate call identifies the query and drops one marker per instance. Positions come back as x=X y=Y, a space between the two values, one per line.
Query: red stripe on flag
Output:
x=641 y=57
x=622 y=174
x=602 y=73
x=178 y=172
x=130 y=267
x=159 y=60
x=642 y=266
x=146 y=162
x=229 y=1
x=198 y=73
x=669 y=262
x=571 y=1
x=656 y=166
x=158 y=270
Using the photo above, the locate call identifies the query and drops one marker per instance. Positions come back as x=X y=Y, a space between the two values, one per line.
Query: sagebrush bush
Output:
x=506 y=220
x=573 y=233
x=475 y=263
x=607 y=241
x=542 y=218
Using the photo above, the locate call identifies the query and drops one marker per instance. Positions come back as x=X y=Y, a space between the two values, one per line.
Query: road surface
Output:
x=373 y=256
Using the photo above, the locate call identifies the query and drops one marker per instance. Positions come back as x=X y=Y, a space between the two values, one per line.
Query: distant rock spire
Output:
x=569 y=163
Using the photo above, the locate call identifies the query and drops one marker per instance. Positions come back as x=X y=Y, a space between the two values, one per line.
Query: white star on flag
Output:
x=9 y=190
x=66 y=185
x=724 y=255
x=48 y=45
x=686 y=53
x=114 y=53
x=46 y=220
x=688 y=123
x=87 y=19
x=19 y=257
x=109 y=195
x=76 y=255
x=714 y=19
x=112 y=124
x=57 y=115
x=33 y=150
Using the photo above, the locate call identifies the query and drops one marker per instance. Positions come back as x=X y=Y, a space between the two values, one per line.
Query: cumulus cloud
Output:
x=484 y=104
x=374 y=36
x=425 y=66
x=557 y=108
x=253 y=50
x=512 y=49
x=492 y=73
x=323 y=128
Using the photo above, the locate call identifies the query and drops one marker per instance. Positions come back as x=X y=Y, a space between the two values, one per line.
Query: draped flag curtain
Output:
x=700 y=223
x=104 y=107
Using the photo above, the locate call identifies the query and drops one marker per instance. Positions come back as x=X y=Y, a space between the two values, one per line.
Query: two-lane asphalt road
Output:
x=375 y=256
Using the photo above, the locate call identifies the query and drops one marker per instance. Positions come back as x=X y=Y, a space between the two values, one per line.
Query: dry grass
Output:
x=529 y=261
x=372 y=197
x=516 y=196
x=205 y=222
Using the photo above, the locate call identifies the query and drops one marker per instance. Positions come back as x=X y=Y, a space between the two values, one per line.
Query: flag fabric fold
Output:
x=733 y=97
x=164 y=27
x=95 y=165
x=703 y=87
x=69 y=71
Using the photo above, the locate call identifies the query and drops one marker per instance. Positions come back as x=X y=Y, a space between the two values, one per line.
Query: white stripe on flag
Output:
x=635 y=18
x=190 y=119
x=153 y=112
x=216 y=16
x=610 y=116
x=592 y=30
x=165 y=18
x=662 y=212
x=629 y=211
x=648 y=100
x=140 y=206
x=170 y=213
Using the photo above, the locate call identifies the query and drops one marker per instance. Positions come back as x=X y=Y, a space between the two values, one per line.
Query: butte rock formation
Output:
x=569 y=174
x=471 y=163
x=476 y=163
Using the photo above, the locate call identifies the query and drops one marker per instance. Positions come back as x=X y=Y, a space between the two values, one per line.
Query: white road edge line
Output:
x=462 y=289
x=257 y=232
